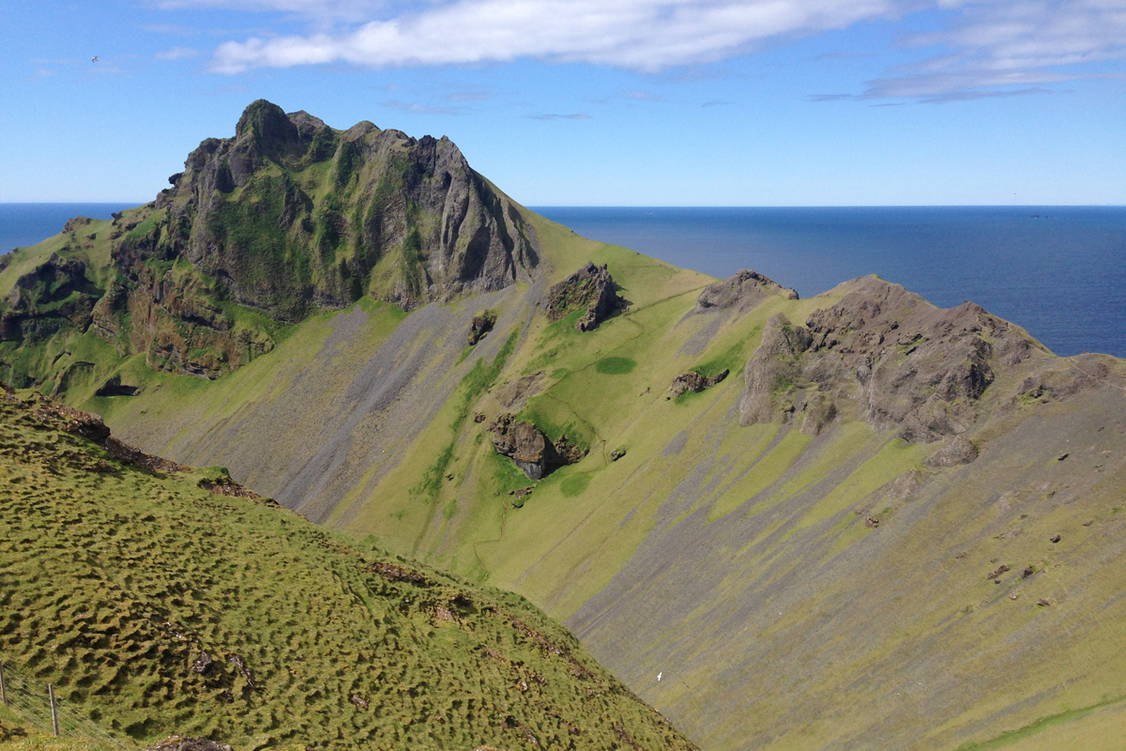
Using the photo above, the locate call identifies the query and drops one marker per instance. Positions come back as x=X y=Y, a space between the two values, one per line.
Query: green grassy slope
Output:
x=796 y=591
x=156 y=606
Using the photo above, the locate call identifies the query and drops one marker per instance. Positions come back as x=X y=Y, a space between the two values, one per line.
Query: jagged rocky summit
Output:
x=882 y=354
x=286 y=217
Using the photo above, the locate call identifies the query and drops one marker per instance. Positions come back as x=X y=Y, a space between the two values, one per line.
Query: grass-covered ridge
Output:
x=158 y=607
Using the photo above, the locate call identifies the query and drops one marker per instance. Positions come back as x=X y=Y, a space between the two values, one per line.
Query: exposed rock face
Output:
x=54 y=295
x=592 y=288
x=743 y=291
x=695 y=382
x=882 y=354
x=189 y=744
x=481 y=325
x=532 y=451
x=114 y=387
x=92 y=428
x=287 y=216
x=412 y=206
x=955 y=450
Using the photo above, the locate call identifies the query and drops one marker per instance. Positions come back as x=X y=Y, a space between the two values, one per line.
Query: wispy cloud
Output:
x=346 y=10
x=648 y=35
x=177 y=53
x=468 y=96
x=642 y=96
x=1000 y=49
x=418 y=108
x=714 y=103
x=845 y=55
x=986 y=48
x=559 y=116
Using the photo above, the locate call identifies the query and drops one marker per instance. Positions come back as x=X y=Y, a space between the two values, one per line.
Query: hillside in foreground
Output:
x=161 y=599
x=853 y=520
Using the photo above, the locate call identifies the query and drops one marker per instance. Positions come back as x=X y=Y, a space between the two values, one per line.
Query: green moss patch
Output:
x=615 y=365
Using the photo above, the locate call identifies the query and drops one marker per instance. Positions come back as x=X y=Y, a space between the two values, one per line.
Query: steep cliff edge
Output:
x=259 y=231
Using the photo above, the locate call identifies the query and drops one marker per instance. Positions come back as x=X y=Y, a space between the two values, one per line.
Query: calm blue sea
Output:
x=1058 y=271
x=27 y=223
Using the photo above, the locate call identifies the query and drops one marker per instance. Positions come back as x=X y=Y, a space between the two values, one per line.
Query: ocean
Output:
x=1060 y=272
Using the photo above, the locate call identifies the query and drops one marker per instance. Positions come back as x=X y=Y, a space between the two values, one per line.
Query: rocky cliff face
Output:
x=883 y=354
x=286 y=217
x=52 y=296
x=592 y=290
x=742 y=291
x=290 y=214
x=531 y=450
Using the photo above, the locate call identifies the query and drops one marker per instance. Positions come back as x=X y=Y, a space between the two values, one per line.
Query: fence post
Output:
x=3 y=688
x=54 y=708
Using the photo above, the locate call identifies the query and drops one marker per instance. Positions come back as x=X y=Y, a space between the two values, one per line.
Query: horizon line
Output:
x=702 y=205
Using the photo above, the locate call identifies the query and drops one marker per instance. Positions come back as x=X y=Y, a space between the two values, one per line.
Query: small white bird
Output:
x=659 y=676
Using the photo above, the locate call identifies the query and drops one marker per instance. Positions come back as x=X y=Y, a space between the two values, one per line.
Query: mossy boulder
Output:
x=590 y=289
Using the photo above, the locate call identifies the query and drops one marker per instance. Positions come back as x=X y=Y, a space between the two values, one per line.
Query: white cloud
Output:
x=988 y=48
x=1009 y=48
x=348 y=10
x=645 y=35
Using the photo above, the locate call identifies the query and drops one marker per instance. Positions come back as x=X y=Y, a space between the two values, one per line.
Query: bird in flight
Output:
x=94 y=59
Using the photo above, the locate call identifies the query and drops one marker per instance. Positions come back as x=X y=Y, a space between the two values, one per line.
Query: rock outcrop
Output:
x=286 y=217
x=591 y=289
x=742 y=291
x=884 y=355
x=695 y=382
x=530 y=448
x=410 y=210
x=54 y=295
x=481 y=325
x=189 y=744
x=91 y=427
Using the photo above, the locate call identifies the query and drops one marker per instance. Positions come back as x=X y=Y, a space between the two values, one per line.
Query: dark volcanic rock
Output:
x=286 y=217
x=481 y=325
x=532 y=451
x=114 y=387
x=592 y=288
x=695 y=382
x=290 y=253
x=884 y=355
x=955 y=450
x=189 y=744
x=743 y=291
x=92 y=428
x=53 y=296
x=203 y=663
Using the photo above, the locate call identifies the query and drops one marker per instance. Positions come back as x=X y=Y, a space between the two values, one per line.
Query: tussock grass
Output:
x=157 y=607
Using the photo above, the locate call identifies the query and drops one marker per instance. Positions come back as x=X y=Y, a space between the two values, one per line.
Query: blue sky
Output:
x=583 y=102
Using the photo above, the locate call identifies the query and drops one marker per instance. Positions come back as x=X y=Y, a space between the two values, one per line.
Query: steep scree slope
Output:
x=891 y=525
x=851 y=544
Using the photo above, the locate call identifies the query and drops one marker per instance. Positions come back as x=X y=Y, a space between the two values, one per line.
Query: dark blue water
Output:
x=27 y=223
x=1059 y=272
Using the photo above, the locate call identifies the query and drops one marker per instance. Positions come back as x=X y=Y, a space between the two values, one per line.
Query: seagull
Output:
x=94 y=59
x=659 y=676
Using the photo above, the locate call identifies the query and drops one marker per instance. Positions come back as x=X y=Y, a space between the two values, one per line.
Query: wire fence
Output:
x=38 y=704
